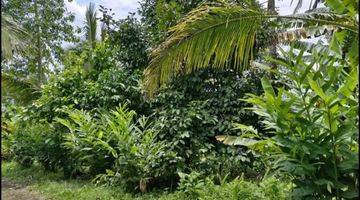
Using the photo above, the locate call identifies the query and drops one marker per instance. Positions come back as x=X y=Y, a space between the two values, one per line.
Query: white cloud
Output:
x=74 y=7
x=78 y=10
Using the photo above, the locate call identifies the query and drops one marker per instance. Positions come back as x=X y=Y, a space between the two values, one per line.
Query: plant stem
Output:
x=334 y=151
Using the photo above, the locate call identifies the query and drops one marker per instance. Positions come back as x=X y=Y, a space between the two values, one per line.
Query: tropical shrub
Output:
x=73 y=88
x=314 y=124
x=193 y=109
x=190 y=183
x=121 y=150
x=39 y=142
x=6 y=137
x=9 y=113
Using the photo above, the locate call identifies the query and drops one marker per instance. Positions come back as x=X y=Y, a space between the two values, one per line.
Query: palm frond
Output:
x=13 y=36
x=23 y=91
x=218 y=37
x=208 y=35
x=304 y=33
x=91 y=23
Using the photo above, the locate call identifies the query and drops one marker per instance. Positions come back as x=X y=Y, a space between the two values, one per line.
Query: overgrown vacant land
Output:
x=186 y=100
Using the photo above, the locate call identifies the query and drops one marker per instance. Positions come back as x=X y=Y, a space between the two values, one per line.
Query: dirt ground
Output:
x=11 y=191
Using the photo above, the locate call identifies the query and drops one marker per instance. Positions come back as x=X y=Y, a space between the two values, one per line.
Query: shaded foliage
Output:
x=191 y=110
x=129 y=39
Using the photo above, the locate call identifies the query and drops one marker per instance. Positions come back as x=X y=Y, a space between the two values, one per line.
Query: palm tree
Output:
x=272 y=48
x=13 y=36
x=218 y=37
x=91 y=24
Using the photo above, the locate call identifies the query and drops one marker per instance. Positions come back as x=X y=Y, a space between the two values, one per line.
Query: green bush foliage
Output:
x=299 y=142
x=191 y=183
x=314 y=123
x=50 y=186
x=129 y=38
x=7 y=125
x=193 y=109
x=39 y=142
x=73 y=88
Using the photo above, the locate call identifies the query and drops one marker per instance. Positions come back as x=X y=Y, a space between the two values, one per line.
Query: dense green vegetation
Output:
x=195 y=100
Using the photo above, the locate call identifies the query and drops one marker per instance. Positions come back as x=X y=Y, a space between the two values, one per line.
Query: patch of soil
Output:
x=12 y=191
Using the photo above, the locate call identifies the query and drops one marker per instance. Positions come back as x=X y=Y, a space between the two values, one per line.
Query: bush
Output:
x=191 y=183
x=193 y=109
x=130 y=41
x=10 y=113
x=314 y=124
x=6 y=137
x=121 y=150
x=105 y=86
x=39 y=142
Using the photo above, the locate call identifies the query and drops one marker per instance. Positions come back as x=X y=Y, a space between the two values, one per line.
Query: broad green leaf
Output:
x=350 y=84
x=245 y=128
x=317 y=89
x=336 y=5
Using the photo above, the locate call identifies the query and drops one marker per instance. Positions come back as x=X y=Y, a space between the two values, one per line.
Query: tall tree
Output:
x=48 y=21
x=272 y=10
x=130 y=39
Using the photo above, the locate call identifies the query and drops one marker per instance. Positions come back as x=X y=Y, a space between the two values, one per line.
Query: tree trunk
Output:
x=315 y=4
x=271 y=7
x=38 y=46
x=272 y=48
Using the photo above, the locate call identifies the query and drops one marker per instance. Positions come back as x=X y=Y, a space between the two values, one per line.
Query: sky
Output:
x=121 y=8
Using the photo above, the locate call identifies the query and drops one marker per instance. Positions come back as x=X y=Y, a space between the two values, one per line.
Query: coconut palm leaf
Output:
x=23 y=91
x=219 y=37
x=304 y=33
x=91 y=24
x=13 y=36
x=198 y=41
